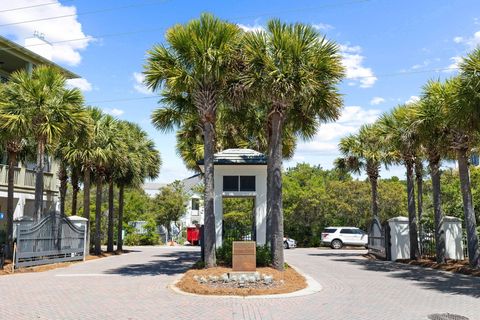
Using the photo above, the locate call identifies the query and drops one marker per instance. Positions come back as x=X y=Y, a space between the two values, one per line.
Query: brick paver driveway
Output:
x=133 y=286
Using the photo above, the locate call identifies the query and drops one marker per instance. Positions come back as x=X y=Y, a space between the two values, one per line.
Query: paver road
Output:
x=134 y=286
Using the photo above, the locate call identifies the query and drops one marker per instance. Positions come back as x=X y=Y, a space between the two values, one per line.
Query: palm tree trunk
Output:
x=268 y=218
x=120 y=217
x=39 y=179
x=468 y=209
x=98 y=215
x=75 y=189
x=12 y=159
x=412 y=213
x=209 y=223
x=275 y=158
x=373 y=178
x=419 y=179
x=63 y=177
x=437 y=210
x=110 y=216
x=86 y=203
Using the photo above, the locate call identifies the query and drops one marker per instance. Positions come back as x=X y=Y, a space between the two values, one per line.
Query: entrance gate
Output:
x=379 y=239
x=53 y=239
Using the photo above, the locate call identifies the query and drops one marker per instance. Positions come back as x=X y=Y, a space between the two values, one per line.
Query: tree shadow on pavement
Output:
x=446 y=282
x=168 y=264
x=337 y=254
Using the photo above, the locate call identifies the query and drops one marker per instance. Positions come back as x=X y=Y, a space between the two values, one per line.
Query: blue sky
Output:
x=390 y=49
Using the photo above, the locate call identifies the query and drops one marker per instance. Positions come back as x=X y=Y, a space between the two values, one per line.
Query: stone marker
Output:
x=244 y=256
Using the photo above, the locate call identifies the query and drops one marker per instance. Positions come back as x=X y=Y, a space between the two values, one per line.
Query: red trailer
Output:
x=193 y=235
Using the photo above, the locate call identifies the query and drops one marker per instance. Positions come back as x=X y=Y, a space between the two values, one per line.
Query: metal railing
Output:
x=26 y=178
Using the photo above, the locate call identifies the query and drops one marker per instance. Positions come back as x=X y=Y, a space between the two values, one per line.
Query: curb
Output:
x=313 y=286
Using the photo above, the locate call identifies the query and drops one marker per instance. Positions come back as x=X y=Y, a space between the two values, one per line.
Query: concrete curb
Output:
x=312 y=287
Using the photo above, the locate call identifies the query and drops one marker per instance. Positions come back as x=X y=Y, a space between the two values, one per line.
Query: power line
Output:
x=33 y=6
x=166 y=28
x=83 y=13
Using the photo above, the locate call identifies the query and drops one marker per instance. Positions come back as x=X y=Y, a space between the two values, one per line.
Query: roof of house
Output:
x=238 y=157
x=18 y=51
x=191 y=182
x=153 y=186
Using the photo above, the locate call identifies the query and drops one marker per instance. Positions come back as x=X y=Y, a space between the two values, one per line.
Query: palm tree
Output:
x=465 y=119
x=41 y=99
x=291 y=70
x=364 y=151
x=398 y=133
x=196 y=64
x=13 y=139
x=106 y=143
x=432 y=127
x=141 y=160
x=69 y=142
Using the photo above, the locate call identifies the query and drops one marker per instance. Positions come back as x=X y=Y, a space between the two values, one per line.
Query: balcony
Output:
x=25 y=178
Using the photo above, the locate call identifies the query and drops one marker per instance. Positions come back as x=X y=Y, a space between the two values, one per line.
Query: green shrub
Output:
x=264 y=257
x=224 y=254
x=132 y=239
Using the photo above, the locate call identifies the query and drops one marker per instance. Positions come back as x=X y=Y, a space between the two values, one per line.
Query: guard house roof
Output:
x=238 y=157
x=14 y=57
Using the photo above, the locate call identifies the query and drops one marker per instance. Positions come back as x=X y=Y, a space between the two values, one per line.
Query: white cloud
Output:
x=114 y=112
x=322 y=26
x=80 y=83
x=355 y=71
x=54 y=30
x=454 y=65
x=470 y=42
x=376 y=100
x=327 y=138
x=412 y=99
x=250 y=28
x=139 y=86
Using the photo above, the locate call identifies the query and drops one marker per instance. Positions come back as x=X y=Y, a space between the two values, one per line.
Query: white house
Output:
x=194 y=214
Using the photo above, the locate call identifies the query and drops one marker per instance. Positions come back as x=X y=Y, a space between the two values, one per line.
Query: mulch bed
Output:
x=8 y=270
x=283 y=282
x=456 y=266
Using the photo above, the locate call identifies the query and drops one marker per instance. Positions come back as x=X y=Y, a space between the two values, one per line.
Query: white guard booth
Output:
x=240 y=173
x=453 y=238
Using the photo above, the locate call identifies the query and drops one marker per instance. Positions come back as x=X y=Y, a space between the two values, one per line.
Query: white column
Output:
x=261 y=208
x=218 y=208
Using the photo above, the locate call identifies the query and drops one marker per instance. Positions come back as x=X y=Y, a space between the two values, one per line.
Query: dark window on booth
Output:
x=195 y=204
x=247 y=183
x=230 y=183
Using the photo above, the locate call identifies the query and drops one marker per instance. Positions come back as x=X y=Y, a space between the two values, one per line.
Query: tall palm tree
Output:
x=106 y=143
x=431 y=124
x=364 y=151
x=41 y=99
x=141 y=161
x=398 y=133
x=465 y=119
x=196 y=63
x=13 y=139
x=69 y=142
x=290 y=69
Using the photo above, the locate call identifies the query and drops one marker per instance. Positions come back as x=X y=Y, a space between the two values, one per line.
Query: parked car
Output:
x=289 y=243
x=337 y=237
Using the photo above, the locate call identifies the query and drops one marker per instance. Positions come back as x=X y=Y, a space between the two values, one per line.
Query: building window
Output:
x=195 y=204
x=230 y=183
x=247 y=183
x=239 y=183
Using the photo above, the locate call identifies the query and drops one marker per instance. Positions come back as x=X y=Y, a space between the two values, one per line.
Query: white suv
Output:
x=337 y=237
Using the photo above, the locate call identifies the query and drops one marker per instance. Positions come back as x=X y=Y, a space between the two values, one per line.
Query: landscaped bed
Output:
x=457 y=266
x=269 y=281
